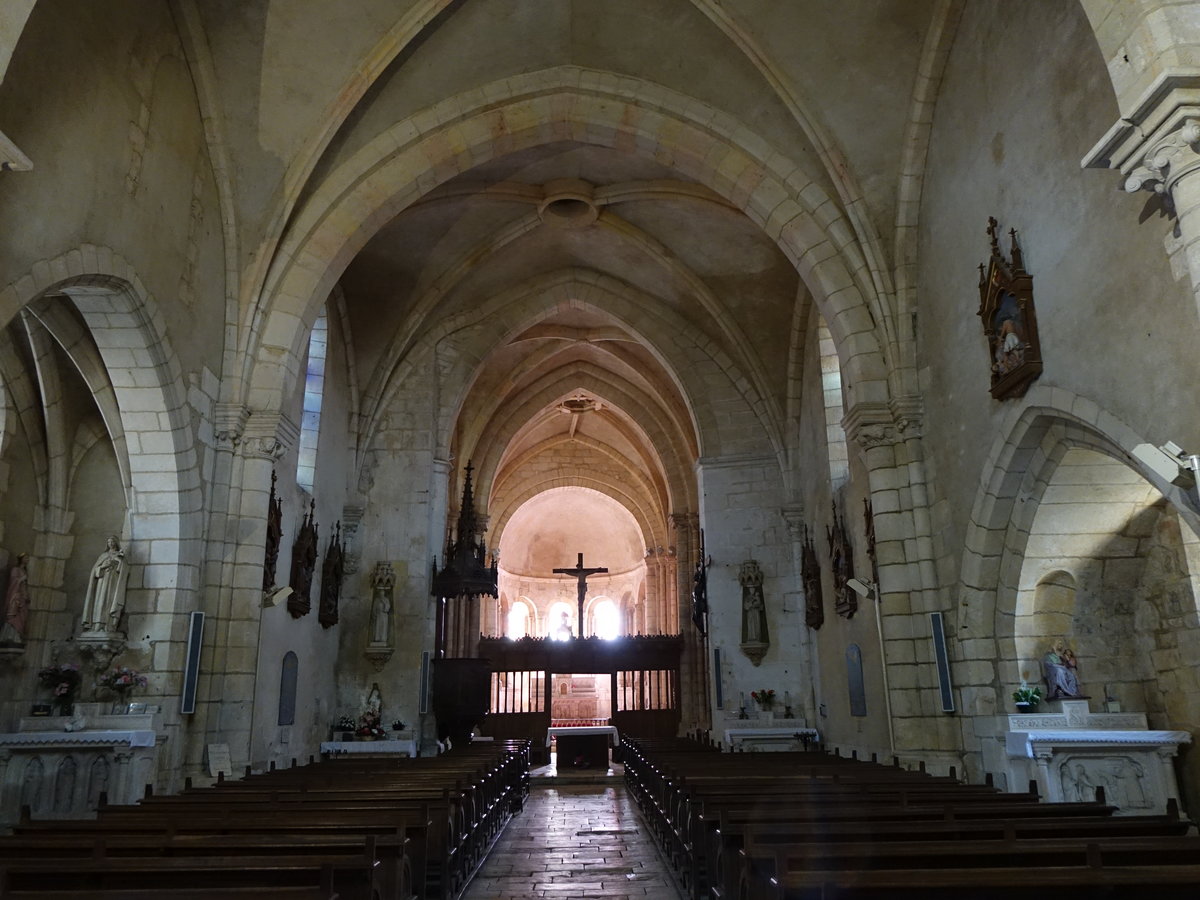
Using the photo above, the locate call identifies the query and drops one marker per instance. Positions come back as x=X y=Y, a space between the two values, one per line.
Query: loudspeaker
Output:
x=719 y=688
x=191 y=666
x=942 y=660
x=423 y=699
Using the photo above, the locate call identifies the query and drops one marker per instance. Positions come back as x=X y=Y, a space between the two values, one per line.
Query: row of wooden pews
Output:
x=793 y=826
x=350 y=828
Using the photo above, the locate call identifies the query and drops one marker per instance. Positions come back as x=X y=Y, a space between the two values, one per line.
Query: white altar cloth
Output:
x=770 y=738
x=577 y=730
x=392 y=748
x=111 y=737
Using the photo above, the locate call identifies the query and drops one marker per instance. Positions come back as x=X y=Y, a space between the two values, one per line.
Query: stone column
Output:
x=692 y=669
x=1051 y=788
x=248 y=448
x=793 y=517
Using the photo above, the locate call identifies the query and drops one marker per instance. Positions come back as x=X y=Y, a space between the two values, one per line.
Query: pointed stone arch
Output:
x=410 y=159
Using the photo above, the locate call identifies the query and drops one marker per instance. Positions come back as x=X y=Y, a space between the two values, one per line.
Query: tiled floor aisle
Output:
x=575 y=841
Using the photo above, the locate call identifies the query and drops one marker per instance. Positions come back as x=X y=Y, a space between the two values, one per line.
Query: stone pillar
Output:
x=1051 y=789
x=793 y=517
x=248 y=448
x=692 y=669
x=889 y=436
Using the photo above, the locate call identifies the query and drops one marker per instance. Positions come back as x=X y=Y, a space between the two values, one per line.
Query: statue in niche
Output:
x=1060 y=667
x=105 y=599
x=274 y=537
x=810 y=575
x=331 y=580
x=755 y=639
x=564 y=632
x=304 y=562
x=383 y=582
x=16 y=604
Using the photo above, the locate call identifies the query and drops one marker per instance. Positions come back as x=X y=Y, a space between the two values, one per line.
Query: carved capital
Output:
x=794 y=517
x=882 y=424
x=1168 y=159
x=268 y=435
x=229 y=423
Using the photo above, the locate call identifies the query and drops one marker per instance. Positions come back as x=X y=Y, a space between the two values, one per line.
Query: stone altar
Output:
x=60 y=774
x=1071 y=753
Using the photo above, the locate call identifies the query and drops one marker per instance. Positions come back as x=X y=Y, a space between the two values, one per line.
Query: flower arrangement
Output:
x=122 y=679
x=764 y=698
x=345 y=723
x=1027 y=695
x=369 y=727
x=397 y=725
x=64 y=680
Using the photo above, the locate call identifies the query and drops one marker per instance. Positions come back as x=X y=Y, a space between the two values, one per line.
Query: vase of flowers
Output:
x=121 y=681
x=369 y=728
x=63 y=681
x=1027 y=698
x=765 y=699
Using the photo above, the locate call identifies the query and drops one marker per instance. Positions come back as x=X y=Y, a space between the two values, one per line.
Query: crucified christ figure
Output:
x=580 y=573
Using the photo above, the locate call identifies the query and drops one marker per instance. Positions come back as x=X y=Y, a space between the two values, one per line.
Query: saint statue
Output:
x=16 y=604
x=754 y=608
x=1059 y=668
x=564 y=631
x=383 y=579
x=105 y=600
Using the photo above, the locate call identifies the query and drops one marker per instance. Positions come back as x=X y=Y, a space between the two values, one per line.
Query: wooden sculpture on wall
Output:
x=810 y=574
x=274 y=537
x=1009 y=319
x=841 y=562
x=304 y=563
x=331 y=580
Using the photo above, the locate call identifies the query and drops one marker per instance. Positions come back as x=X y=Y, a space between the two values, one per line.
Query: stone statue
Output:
x=105 y=600
x=383 y=581
x=754 y=609
x=1059 y=668
x=16 y=604
x=755 y=640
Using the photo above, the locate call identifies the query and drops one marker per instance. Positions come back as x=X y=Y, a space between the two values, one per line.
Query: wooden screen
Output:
x=518 y=692
x=646 y=689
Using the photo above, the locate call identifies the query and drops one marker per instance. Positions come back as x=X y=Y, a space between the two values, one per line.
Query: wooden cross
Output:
x=580 y=573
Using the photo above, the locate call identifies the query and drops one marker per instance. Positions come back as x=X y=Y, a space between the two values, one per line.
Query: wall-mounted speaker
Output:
x=423 y=700
x=942 y=660
x=191 y=665
x=718 y=686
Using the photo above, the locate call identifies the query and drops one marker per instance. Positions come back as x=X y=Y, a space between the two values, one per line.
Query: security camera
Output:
x=1169 y=462
x=862 y=588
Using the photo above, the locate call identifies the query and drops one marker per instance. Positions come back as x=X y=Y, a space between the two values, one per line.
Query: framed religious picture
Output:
x=1009 y=320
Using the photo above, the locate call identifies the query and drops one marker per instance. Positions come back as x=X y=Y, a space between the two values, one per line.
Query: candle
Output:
x=787 y=698
x=741 y=699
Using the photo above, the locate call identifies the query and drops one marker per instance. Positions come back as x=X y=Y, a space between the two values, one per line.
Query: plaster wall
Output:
x=1116 y=323
x=739 y=512
x=119 y=161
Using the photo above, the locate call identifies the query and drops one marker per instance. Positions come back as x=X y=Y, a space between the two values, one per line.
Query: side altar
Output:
x=60 y=773
x=1073 y=752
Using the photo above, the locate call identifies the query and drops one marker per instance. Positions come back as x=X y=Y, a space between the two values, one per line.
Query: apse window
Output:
x=314 y=392
x=518 y=622
x=606 y=620
x=558 y=624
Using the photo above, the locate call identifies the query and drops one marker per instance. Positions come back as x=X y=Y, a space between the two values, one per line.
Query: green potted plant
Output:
x=1027 y=697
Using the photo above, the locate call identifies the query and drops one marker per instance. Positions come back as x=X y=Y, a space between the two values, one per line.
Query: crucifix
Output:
x=580 y=573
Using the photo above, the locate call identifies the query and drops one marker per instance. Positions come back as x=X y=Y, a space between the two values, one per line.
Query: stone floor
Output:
x=572 y=842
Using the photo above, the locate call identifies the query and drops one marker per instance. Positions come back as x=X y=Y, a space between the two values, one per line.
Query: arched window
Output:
x=606 y=620
x=518 y=621
x=831 y=387
x=314 y=392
